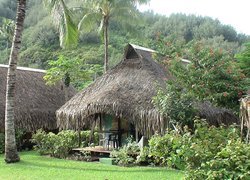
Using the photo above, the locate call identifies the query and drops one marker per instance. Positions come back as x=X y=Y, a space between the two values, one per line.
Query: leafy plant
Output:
x=59 y=145
x=211 y=75
x=231 y=162
x=71 y=71
x=244 y=59
x=168 y=150
x=127 y=154
x=176 y=104
x=19 y=140
x=189 y=150
x=44 y=142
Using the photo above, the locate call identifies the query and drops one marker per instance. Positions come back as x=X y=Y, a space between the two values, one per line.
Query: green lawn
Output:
x=32 y=166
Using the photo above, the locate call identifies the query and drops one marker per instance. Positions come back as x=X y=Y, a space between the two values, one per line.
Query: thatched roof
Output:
x=216 y=115
x=125 y=91
x=36 y=102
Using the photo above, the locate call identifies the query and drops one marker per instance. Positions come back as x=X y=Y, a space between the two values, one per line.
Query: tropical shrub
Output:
x=189 y=150
x=19 y=138
x=168 y=150
x=44 y=142
x=211 y=75
x=59 y=145
x=231 y=162
x=126 y=155
x=176 y=104
x=65 y=142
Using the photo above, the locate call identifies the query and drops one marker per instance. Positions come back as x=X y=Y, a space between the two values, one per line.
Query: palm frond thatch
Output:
x=216 y=115
x=36 y=102
x=125 y=91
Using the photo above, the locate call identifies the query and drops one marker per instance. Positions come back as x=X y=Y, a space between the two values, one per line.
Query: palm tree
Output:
x=68 y=35
x=7 y=31
x=102 y=11
x=62 y=16
x=11 y=154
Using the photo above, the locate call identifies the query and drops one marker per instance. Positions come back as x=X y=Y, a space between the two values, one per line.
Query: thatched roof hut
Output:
x=125 y=91
x=36 y=102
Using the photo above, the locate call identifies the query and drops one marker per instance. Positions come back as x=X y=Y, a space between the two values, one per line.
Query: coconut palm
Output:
x=62 y=16
x=11 y=154
x=68 y=35
x=102 y=11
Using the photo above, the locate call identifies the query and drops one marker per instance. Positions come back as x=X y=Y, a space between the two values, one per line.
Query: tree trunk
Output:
x=106 y=43
x=66 y=93
x=66 y=86
x=11 y=154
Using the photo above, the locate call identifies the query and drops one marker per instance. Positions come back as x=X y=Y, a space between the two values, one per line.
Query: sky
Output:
x=230 y=12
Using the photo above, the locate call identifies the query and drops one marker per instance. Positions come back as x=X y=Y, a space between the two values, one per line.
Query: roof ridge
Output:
x=25 y=68
x=142 y=48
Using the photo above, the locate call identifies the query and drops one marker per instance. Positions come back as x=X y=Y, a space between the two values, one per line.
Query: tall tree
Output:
x=68 y=36
x=102 y=11
x=11 y=154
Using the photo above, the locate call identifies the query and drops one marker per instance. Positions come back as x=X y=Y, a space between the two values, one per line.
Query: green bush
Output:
x=207 y=141
x=190 y=150
x=1 y=143
x=176 y=104
x=19 y=139
x=231 y=162
x=44 y=142
x=126 y=155
x=59 y=145
x=169 y=150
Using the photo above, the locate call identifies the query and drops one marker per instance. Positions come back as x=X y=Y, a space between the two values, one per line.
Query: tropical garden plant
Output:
x=207 y=153
x=71 y=71
x=60 y=145
x=126 y=155
x=244 y=59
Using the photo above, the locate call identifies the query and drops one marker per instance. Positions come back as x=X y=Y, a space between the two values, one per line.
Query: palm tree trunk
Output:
x=106 y=43
x=11 y=154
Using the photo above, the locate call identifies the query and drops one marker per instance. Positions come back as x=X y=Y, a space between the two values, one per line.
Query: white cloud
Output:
x=234 y=13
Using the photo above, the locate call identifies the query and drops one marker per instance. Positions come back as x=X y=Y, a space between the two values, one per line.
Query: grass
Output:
x=32 y=166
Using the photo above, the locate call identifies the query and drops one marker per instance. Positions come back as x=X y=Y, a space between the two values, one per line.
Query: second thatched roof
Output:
x=125 y=91
x=35 y=102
